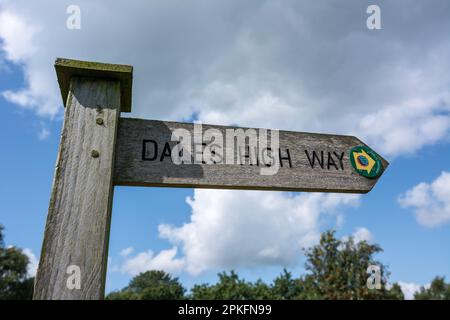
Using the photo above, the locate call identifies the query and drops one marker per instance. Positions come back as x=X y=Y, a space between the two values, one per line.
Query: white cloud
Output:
x=430 y=201
x=409 y=289
x=165 y=260
x=33 y=262
x=231 y=229
x=314 y=67
x=21 y=44
x=362 y=234
x=43 y=134
x=17 y=34
x=235 y=229
x=408 y=127
x=127 y=251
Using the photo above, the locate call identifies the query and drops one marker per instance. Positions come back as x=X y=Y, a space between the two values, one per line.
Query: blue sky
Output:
x=248 y=72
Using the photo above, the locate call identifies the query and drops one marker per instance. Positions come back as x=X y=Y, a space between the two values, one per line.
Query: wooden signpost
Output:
x=99 y=149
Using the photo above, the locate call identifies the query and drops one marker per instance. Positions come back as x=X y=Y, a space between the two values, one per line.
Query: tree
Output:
x=337 y=269
x=438 y=290
x=150 y=285
x=14 y=283
x=231 y=287
x=285 y=287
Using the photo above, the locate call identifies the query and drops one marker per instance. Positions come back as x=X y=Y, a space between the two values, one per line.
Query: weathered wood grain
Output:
x=78 y=222
x=132 y=170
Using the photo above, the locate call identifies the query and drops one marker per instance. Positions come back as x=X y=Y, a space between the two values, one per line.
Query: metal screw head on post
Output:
x=99 y=121
x=95 y=154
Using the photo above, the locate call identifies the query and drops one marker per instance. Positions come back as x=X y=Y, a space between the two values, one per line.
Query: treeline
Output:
x=158 y=285
x=335 y=269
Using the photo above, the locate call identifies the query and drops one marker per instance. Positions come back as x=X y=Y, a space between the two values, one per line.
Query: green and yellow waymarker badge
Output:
x=366 y=162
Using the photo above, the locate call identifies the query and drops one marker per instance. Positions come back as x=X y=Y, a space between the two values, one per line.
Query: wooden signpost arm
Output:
x=75 y=249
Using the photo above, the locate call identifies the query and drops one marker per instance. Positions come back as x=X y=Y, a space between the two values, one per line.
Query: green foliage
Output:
x=150 y=285
x=285 y=287
x=14 y=284
x=438 y=290
x=231 y=287
x=337 y=269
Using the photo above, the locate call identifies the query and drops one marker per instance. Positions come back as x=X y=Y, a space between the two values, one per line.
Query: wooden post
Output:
x=75 y=249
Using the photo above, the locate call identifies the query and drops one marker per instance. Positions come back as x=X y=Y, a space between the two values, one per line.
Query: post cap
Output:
x=68 y=68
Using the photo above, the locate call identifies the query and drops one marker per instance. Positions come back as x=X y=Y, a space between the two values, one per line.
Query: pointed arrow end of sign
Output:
x=367 y=162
